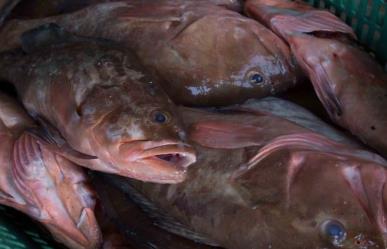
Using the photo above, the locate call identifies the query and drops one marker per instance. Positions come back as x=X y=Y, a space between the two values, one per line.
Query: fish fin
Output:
x=320 y=79
x=52 y=139
x=51 y=34
x=224 y=134
x=6 y=8
x=159 y=217
x=27 y=167
x=43 y=36
x=310 y=22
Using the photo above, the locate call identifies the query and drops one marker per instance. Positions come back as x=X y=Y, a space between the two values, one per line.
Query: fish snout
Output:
x=158 y=161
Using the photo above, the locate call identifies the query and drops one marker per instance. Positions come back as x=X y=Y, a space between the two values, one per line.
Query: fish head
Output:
x=340 y=205
x=134 y=125
x=319 y=197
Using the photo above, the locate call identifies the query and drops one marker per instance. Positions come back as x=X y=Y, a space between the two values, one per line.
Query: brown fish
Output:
x=204 y=54
x=44 y=8
x=138 y=229
x=351 y=85
x=47 y=187
x=291 y=188
x=112 y=116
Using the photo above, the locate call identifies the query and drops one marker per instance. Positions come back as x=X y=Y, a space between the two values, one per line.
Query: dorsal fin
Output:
x=44 y=36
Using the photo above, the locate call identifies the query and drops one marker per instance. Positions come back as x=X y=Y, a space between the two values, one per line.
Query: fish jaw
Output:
x=161 y=162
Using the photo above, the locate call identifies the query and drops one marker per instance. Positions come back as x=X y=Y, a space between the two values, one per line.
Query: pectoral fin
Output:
x=225 y=134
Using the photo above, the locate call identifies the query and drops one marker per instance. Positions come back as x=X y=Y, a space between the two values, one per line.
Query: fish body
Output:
x=351 y=85
x=131 y=223
x=100 y=108
x=201 y=52
x=44 y=8
x=287 y=182
x=43 y=185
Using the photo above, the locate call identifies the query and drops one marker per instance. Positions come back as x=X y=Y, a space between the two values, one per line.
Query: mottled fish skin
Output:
x=351 y=85
x=138 y=230
x=204 y=54
x=104 y=105
x=293 y=184
x=44 y=185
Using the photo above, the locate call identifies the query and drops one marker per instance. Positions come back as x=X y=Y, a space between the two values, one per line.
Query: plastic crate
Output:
x=367 y=17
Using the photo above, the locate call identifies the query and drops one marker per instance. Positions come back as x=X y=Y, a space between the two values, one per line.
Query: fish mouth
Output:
x=161 y=162
x=178 y=156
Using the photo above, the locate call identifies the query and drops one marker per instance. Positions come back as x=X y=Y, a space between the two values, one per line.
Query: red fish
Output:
x=99 y=107
x=45 y=186
x=204 y=54
x=350 y=84
x=289 y=188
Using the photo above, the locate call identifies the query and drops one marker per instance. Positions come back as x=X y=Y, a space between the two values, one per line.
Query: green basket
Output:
x=367 y=17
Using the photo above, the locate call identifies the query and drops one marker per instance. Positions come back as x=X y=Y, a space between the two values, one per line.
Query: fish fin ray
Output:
x=160 y=219
x=224 y=134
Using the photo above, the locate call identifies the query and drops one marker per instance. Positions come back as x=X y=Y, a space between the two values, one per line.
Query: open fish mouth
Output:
x=177 y=156
x=158 y=161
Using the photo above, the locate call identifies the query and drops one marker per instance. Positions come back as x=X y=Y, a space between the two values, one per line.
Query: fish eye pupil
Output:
x=160 y=117
x=334 y=231
x=256 y=78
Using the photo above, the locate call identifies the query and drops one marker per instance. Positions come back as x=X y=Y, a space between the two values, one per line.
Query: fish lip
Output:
x=146 y=156
x=176 y=155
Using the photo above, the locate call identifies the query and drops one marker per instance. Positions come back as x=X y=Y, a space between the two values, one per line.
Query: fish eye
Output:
x=333 y=231
x=255 y=78
x=160 y=117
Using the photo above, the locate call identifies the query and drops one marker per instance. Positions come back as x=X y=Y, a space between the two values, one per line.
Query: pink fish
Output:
x=350 y=84
x=285 y=187
x=45 y=186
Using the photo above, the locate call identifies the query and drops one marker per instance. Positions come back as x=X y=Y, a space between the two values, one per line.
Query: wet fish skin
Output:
x=45 y=8
x=350 y=84
x=104 y=105
x=42 y=184
x=284 y=187
x=138 y=230
x=262 y=66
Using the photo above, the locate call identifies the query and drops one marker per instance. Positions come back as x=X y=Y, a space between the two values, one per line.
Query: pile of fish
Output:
x=167 y=124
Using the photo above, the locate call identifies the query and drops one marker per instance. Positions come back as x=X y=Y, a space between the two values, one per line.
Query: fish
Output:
x=45 y=8
x=97 y=106
x=124 y=219
x=203 y=54
x=288 y=187
x=350 y=84
x=42 y=184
